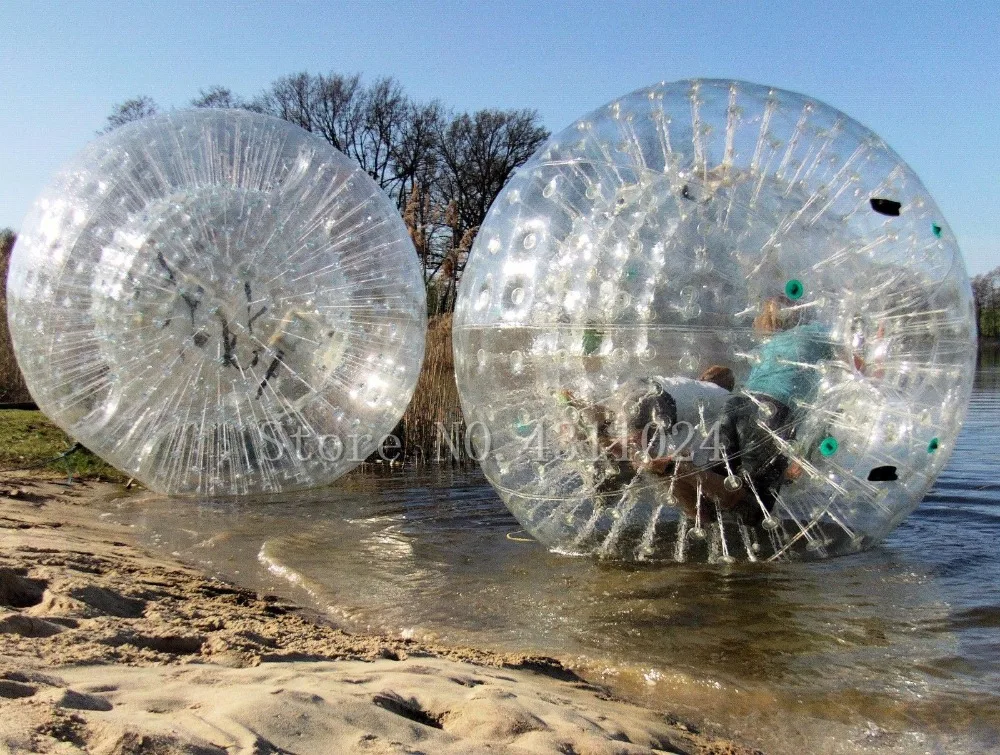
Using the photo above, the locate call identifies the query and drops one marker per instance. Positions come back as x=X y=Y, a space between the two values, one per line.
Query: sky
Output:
x=923 y=75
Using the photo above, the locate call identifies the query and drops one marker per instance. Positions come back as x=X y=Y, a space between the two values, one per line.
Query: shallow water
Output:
x=894 y=650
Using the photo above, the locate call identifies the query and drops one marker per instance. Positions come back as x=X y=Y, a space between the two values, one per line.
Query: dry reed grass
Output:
x=435 y=410
x=13 y=389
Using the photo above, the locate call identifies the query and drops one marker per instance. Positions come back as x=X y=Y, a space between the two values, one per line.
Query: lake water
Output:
x=893 y=650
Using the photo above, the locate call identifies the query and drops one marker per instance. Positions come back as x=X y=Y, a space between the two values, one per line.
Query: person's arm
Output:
x=712 y=485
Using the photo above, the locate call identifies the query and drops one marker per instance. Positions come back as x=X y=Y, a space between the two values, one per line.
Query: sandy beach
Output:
x=105 y=648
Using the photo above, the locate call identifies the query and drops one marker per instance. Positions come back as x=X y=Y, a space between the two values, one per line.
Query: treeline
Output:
x=986 y=292
x=443 y=169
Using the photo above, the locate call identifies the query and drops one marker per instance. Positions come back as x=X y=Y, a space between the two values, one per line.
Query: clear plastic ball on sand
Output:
x=218 y=303
x=714 y=321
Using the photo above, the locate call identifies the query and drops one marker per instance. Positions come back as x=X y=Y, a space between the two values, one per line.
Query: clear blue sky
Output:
x=923 y=75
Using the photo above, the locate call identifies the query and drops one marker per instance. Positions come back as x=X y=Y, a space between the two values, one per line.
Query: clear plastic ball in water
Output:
x=218 y=302
x=714 y=321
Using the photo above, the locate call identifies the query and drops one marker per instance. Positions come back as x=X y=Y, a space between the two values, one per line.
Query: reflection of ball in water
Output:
x=218 y=302
x=715 y=236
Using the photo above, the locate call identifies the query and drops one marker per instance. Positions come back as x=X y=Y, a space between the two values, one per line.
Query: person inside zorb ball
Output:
x=218 y=303
x=714 y=321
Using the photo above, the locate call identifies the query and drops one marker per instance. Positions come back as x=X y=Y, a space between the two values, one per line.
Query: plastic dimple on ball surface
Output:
x=714 y=226
x=218 y=303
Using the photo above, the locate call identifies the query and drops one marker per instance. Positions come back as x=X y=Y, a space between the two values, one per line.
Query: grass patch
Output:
x=28 y=439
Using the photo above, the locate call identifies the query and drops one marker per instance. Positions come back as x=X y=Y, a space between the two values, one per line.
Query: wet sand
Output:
x=105 y=648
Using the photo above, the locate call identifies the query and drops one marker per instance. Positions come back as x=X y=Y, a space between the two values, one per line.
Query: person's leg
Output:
x=759 y=431
x=685 y=493
x=687 y=481
x=763 y=459
x=737 y=407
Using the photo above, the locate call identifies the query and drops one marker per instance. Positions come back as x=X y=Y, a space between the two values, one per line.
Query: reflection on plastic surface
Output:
x=218 y=302
x=706 y=236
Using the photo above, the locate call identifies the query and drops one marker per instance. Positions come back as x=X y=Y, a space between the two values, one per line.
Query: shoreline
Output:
x=107 y=648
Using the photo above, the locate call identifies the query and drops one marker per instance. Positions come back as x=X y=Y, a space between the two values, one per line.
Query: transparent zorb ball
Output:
x=775 y=269
x=218 y=302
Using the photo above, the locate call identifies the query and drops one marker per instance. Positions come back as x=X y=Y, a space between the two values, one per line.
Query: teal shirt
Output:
x=774 y=376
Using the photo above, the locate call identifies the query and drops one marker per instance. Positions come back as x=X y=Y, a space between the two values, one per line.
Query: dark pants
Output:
x=653 y=415
x=748 y=434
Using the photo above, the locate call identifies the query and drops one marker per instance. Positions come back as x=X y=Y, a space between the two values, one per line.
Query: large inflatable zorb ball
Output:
x=714 y=321
x=218 y=302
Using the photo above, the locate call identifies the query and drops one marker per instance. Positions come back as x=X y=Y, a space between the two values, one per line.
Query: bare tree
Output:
x=986 y=293
x=338 y=109
x=378 y=126
x=130 y=110
x=443 y=171
x=291 y=98
x=220 y=97
x=478 y=154
x=385 y=110
x=414 y=152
